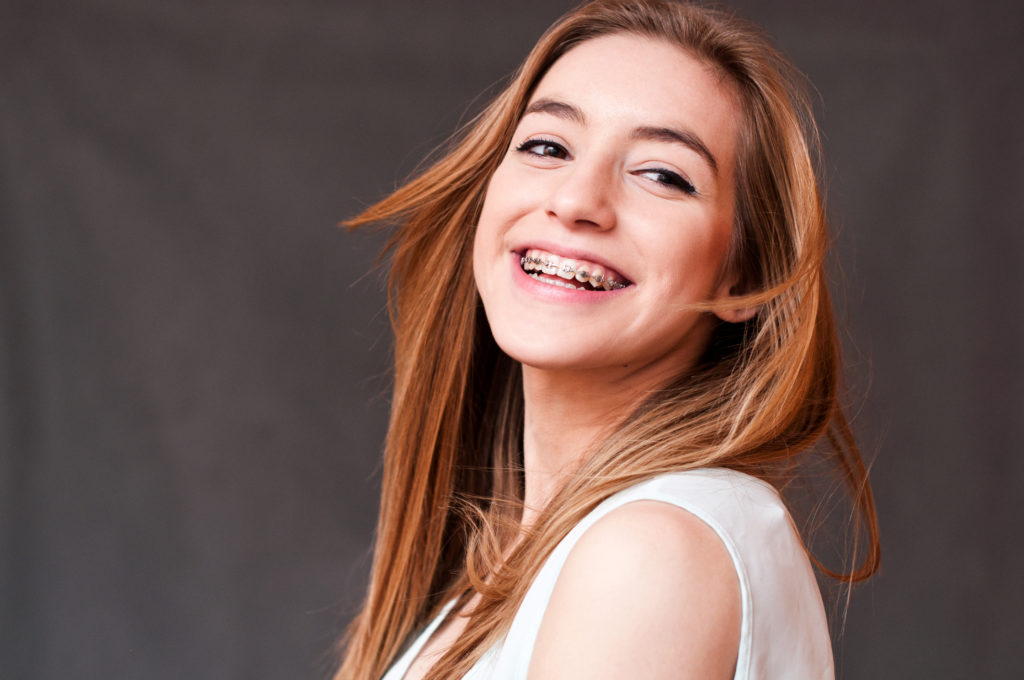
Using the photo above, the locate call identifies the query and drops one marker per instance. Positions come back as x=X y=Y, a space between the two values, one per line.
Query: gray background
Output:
x=193 y=359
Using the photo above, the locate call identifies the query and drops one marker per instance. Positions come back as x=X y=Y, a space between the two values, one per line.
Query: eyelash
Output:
x=669 y=178
x=530 y=144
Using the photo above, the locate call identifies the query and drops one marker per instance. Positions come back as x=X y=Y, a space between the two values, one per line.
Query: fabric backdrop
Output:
x=194 y=359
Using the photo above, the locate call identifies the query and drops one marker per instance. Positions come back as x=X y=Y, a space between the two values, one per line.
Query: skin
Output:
x=586 y=177
x=665 y=602
x=585 y=183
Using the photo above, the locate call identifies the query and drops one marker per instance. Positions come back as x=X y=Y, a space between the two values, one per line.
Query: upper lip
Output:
x=572 y=253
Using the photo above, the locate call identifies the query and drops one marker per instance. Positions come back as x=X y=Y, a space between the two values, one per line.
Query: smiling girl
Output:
x=614 y=343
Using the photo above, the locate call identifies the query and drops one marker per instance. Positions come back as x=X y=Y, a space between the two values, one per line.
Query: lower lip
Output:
x=555 y=293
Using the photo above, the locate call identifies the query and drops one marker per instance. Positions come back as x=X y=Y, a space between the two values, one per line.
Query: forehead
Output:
x=628 y=80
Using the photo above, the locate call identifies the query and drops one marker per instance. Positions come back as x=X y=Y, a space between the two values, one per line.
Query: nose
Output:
x=584 y=195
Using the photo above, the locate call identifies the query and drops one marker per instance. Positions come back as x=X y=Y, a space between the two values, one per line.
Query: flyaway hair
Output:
x=765 y=393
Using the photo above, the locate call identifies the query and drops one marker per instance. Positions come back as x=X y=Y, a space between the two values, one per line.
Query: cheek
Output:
x=489 y=223
x=505 y=201
x=480 y=250
x=511 y=192
x=491 y=211
x=693 y=266
x=488 y=246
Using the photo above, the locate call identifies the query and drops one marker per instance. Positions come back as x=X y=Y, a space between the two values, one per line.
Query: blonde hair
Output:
x=764 y=392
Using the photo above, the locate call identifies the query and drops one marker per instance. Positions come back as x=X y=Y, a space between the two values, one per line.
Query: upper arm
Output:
x=649 y=591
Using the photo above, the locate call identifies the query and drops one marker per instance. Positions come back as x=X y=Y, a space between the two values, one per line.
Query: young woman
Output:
x=613 y=343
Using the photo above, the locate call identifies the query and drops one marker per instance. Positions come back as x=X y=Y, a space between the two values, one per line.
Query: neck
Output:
x=565 y=416
x=567 y=412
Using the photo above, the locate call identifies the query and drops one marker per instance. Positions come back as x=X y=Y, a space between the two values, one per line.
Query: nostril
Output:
x=582 y=202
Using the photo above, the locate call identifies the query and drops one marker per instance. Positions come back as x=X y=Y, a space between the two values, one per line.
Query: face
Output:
x=612 y=212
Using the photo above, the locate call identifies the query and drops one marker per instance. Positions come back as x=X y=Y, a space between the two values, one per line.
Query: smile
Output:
x=543 y=266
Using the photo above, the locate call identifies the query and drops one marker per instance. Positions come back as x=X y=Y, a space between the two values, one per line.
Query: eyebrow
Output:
x=684 y=137
x=646 y=132
x=556 y=108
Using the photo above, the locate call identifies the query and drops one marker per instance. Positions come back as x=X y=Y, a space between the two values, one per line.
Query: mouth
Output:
x=575 y=274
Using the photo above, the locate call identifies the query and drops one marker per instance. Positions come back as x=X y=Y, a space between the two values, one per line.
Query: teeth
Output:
x=552 y=265
x=555 y=282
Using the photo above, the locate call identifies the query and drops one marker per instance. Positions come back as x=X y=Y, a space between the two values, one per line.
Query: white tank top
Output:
x=783 y=633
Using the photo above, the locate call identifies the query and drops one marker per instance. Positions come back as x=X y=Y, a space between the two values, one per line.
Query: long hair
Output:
x=765 y=392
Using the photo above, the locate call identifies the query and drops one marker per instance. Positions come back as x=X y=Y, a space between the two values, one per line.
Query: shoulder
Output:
x=648 y=590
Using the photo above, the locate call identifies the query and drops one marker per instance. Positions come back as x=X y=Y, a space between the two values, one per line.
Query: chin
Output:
x=554 y=352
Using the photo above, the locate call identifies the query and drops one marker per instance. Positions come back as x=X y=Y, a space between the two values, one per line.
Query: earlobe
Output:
x=737 y=314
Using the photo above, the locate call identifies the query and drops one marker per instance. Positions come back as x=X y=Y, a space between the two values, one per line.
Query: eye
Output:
x=543 y=147
x=669 y=179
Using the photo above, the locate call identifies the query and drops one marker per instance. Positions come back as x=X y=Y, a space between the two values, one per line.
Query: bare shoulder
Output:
x=649 y=591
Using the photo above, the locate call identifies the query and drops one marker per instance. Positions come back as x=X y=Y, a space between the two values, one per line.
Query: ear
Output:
x=727 y=290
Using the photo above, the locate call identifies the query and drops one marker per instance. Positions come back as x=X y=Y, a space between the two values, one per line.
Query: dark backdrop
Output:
x=193 y=359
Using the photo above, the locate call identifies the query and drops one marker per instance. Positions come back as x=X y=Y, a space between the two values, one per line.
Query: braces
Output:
x=569 y=269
